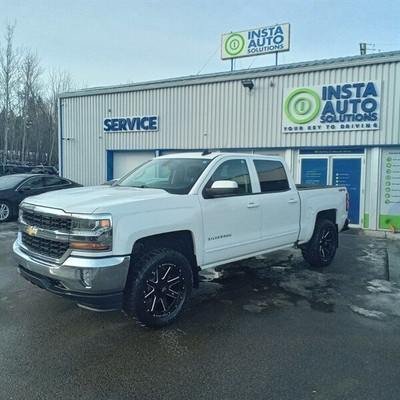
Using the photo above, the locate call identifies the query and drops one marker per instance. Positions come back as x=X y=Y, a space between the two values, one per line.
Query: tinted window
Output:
x=33 y=183
x=55 y=181
x=272 y=176
x=233 y=170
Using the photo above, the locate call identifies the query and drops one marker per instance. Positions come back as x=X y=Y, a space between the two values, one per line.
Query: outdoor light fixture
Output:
x=248 y=83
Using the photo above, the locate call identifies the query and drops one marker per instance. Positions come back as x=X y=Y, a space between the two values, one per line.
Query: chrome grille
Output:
x=46 y=247
x=47 y=221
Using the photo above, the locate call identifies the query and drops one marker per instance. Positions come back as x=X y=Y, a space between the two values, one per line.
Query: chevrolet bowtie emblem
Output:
x=31 y=230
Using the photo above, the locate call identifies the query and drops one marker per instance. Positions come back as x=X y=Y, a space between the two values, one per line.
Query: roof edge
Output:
x=284 y=69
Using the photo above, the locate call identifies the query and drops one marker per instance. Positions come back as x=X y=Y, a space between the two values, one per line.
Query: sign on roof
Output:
x=255 y=42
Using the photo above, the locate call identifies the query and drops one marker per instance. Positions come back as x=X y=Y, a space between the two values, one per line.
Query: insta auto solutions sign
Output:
x=255 y=42
x=337 y=107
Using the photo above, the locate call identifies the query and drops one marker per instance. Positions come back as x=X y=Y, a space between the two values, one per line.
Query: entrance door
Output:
x=347 y=172
x=337 y=171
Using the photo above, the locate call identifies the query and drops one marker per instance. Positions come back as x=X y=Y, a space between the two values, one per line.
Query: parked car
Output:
x=15 y=188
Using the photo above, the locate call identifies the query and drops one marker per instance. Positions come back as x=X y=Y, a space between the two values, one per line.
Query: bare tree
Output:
x=30 y=74
x=9 y=77
x=60 y=81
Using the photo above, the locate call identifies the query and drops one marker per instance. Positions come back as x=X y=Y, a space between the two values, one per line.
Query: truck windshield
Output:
x=174 y=175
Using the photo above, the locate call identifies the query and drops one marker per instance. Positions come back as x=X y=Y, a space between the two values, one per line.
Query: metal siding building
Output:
x=216 y=112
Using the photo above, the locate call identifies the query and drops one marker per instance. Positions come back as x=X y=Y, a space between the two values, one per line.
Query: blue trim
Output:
x=60 y=167
x=131 y=150
x=110 y=165
x=333 y=150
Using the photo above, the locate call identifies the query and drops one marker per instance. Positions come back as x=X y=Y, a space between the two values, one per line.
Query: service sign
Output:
x=148 y=123
x=344 y=106
x=255 y=42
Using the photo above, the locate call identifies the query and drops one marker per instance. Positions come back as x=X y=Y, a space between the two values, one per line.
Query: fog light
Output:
x=87 y=277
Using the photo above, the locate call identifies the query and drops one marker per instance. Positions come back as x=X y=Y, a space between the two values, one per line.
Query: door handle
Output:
x=291 y=201
x=253 y=205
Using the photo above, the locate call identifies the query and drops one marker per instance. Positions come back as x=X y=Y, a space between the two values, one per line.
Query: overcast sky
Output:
x=104 y=42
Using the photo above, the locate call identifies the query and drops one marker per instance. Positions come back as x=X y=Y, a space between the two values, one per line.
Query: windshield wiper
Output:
x=141 y=186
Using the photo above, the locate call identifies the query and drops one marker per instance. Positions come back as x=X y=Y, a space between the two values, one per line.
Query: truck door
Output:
x=280 y=205
x=231 y=223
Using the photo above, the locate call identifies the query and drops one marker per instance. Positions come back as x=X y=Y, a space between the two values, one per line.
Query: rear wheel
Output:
x=158 y=287
x=5 y=211
x=321 y=248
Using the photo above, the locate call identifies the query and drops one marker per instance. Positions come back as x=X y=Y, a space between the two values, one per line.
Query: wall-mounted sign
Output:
x=335 y=107
x=314 y=171
x=255 y=42
x=389 y=214
x=131 y=124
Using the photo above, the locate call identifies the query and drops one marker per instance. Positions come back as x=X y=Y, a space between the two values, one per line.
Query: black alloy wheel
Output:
x=327 y=244
x=165 y=289
x=158 y=286
x=321 y=248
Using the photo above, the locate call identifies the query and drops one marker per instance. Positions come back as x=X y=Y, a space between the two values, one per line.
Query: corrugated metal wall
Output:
x=214 y=115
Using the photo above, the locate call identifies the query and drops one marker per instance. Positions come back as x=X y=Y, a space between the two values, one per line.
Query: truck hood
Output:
x=86 y=200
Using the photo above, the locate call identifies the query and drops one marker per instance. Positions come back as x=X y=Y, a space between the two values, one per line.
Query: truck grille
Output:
x=46 y=247
x=47 y=221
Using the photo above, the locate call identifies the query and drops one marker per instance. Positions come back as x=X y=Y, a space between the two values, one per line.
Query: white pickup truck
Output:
x=139 y=244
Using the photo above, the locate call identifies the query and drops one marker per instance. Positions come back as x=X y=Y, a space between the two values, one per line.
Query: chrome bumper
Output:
x=104 y=277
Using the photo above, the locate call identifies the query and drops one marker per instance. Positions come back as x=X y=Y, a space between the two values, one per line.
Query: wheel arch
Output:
x=329 y=215
x=181 y=241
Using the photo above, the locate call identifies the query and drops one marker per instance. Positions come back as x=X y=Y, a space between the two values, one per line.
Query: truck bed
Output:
x=310 y=187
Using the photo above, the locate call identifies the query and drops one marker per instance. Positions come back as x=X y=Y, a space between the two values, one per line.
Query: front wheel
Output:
x=321 y=248
x=158 y=287
x=5 y=211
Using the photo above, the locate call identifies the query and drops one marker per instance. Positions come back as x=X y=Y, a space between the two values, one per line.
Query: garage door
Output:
x=127 y=161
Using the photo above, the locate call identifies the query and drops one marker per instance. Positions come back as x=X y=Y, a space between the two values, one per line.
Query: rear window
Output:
x=55 y=181
x=272 y=176
x=9 y=181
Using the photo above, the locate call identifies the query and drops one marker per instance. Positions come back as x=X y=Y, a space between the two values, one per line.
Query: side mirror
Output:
x=24 y=189
x=222 y=188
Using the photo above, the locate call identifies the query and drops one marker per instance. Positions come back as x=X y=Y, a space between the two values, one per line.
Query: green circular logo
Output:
x=234 y=44
x=302 y=105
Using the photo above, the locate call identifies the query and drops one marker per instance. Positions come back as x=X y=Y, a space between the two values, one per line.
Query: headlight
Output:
x=91 y=233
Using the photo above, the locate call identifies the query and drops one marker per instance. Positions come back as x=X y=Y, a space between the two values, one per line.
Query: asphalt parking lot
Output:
x=266 y=328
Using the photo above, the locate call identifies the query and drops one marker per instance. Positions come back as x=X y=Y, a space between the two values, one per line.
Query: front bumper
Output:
x=103 y=290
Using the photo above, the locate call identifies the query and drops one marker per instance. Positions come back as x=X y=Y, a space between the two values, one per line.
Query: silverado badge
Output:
x=30 y=230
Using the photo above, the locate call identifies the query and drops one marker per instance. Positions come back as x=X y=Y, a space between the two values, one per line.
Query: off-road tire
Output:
x=5 y=211
x=321 y=248
x=158 y=286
